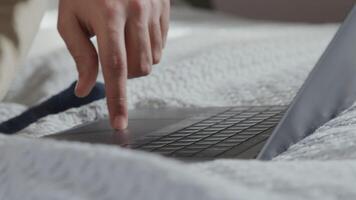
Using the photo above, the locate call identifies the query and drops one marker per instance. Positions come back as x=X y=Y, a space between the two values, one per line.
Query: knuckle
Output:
x=115 y=65
x=110 y=9
x=166 y=4
x=86 y=65
x=111 y=12
x=62 y=24
x=117 y=71
x=120 y=100
x=138 y=6
x=155 y=5
x=87 y=60
x=61 y=28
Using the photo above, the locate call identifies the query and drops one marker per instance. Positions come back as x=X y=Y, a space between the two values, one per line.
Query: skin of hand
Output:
x=131 y=35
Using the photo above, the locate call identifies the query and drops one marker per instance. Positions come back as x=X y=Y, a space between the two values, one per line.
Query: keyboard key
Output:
x=205 y=132
x=266 y=114
x=164 y=152
x=247 y=132
x=258 y=130
x=186 y=143
x=244 y=124
x=242 y=137
x=219 y=118
x=169 y=148
x=239 y=116
x=212 y=139
x=181 y=135
x=231 y=142
x=193 y=129
x=185 y=153
x=196 y=146
x=173 y=138
x=224 y=145
x=214 y=130
x=269 y=122
x=187 y=131
x=217 y=138
x=234 y=141
x=247 y=115
x=204 y=123
x=228 y=122
x=260 y=117
x=177 y=134
x=236 y=129
x=174 y=145
x=229 y=114
x=221 y=126
x=160 y=142
x=210 y=142
x=211 y=152
x=190 y=139
x=254 y=120
x=226 y=134
x=213 y=121
x=196 y=137
x=229 y=131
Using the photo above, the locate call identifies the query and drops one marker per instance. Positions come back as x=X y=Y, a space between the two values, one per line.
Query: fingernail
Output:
x=120 y=123
x=77 y=94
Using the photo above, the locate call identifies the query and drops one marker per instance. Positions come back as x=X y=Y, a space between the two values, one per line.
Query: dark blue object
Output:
x=56 y=104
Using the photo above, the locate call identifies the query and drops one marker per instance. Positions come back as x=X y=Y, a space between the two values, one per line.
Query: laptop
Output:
x=262 y=132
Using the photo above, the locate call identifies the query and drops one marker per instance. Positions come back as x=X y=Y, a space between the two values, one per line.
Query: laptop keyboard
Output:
x=219 y=134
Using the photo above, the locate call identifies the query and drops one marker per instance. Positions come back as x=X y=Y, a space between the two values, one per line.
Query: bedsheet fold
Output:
x=212 y=60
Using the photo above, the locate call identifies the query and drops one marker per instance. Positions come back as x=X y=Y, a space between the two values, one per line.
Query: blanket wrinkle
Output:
x=213 y=60
x=58 y=103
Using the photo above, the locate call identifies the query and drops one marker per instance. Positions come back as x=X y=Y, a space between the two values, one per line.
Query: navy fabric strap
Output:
x=329 y=90
x=56 y=104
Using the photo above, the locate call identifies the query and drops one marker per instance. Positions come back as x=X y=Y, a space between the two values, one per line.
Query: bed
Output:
x=212 y=60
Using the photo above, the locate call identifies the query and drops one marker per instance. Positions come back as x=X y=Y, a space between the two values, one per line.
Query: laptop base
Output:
x=189 y=134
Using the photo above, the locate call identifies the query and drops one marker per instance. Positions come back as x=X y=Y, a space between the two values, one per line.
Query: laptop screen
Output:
x=329 y=89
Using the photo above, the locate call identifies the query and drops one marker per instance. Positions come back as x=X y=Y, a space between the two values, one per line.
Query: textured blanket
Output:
x=210 y=60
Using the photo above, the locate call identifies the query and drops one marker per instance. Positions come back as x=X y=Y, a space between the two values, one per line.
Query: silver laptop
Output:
x=240 y=132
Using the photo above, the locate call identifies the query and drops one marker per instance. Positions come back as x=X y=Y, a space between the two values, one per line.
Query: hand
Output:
x=130 y=34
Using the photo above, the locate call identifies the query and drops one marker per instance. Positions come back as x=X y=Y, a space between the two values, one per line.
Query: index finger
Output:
x=112 y=53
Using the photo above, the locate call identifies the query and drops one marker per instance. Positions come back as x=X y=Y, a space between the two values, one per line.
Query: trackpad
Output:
x=143 y=125
x=100 y=132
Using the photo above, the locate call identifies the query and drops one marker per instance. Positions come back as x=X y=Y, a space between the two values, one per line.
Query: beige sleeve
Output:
x=19 y=22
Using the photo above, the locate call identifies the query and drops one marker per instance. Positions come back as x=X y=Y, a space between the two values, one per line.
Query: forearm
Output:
x=19 y=22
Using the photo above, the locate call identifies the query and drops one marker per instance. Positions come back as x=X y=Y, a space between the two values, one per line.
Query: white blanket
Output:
x=211 y=60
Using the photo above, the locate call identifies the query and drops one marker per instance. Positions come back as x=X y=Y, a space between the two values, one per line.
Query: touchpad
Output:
x=100 y=132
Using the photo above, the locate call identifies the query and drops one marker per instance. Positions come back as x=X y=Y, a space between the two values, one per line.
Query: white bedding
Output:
x=209 y=61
